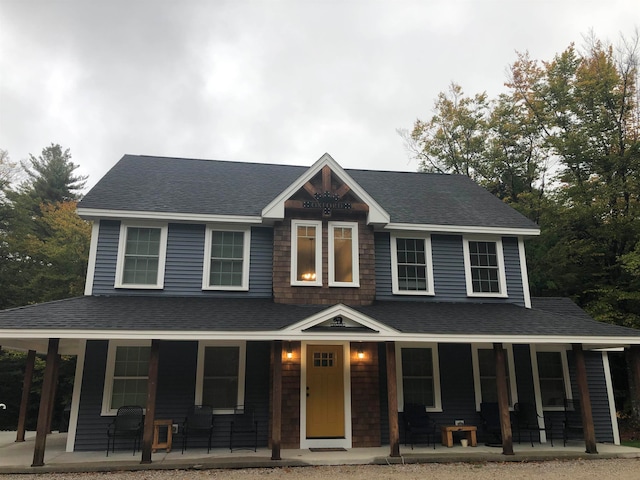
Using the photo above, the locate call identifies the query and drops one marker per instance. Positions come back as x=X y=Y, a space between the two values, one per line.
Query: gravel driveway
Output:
x=619 y=469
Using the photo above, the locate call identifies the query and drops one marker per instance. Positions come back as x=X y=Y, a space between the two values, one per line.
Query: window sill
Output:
x=139 y=287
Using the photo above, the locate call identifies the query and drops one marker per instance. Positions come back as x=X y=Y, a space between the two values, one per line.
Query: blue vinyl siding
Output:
x=176 y=393
x=448 y=271
x=184 y=263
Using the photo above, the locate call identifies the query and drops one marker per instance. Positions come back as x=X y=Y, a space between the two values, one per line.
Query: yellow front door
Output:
x=325 y=391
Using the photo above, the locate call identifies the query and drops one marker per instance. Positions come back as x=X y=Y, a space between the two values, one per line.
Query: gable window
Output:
x=126 y=376
x=306 y=253
x=141 y=256
x=418 y=376
x=484 y=265
x=411 y=266
x=343 y=255
x=484 y=375
x=553 y=378
x=220 y=376
x=226 y=264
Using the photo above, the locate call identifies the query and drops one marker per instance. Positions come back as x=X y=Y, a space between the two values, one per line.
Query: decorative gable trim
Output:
x=342 y=321
x=275 y=209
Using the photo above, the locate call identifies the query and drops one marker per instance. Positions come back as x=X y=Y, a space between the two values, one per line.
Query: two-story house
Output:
x=325 y=298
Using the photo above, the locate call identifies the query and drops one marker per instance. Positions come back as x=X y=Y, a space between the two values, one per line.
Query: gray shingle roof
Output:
x=224 y=315
x=212 y=187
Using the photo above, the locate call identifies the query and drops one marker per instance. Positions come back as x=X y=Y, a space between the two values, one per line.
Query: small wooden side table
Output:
x=469 y=431
x=157 y=424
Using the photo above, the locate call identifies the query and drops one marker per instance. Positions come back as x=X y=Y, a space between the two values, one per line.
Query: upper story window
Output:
x=226 y=262
x=306 y=252
x=343 y=255
x=411 y=265
x=141 y=256
x=126 y=376
x=484 y=265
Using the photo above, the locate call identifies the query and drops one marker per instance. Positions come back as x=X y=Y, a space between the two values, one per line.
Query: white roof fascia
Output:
x=15 y=336
x=96 y=214
x=275 y=209
x=460 y=229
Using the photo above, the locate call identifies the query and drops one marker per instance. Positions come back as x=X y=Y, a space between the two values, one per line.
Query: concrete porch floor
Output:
x=17 y=457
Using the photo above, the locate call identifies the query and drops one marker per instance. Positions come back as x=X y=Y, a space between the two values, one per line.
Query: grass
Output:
x=630 y=443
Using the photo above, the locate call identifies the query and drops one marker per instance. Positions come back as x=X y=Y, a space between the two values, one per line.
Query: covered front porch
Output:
x=17 y=457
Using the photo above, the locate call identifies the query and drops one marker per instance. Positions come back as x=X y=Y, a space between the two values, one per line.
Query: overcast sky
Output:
x=262 y=81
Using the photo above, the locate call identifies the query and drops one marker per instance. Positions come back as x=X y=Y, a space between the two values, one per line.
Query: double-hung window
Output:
x=226 y=261
x=306 y=253
x=220 y=375
x=484 y=265
x=411 y=265
x=343 y=255
x=553 y=377
x=141 y=256
x=126 y=376
x=484 y=375
x=418 y=375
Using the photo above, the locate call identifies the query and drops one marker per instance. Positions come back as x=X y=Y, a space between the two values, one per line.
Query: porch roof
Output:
x=196 y=318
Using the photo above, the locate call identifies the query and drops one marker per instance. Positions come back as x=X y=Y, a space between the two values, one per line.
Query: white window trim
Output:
x=437 y=393
x=508 y=348
x=534 y=349
x=242 y=365
x=502 y=278
x=110 y=370
x=162 y=255
x=294 y=253
x=245 y=260
x=355 y=259
x=394 y=264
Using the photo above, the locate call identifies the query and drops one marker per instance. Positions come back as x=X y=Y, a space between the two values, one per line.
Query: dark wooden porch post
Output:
x=503 y=399
x=26 y=388
x=45 y=403
x=276 y=399
x=56 y=373
x=585 y=400
x=152 y=387
x=392 y=394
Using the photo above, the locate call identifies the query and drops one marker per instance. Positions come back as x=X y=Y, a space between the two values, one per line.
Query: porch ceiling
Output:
x=184 y=318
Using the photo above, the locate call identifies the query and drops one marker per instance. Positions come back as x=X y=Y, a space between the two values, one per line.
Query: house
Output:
x=325 y=298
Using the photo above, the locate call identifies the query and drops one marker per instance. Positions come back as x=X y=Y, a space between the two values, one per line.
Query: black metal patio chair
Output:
x=198 y=423
x=572 y=422
x=127 y=424
x=526 y=419
x=490 y=414
x=243 y=433
x=417 y=424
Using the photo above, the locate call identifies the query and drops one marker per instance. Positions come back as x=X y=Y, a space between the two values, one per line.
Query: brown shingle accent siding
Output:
x=365 y=396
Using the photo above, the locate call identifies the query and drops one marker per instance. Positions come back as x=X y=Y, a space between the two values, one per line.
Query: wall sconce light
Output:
x=360 y=353
x=289 y=352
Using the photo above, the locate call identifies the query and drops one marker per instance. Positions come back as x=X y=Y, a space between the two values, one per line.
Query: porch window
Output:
x=484 y=265
x=226 y=264
x=126 y=376
x=343 y=255
x=418 y=376
x=484 y=369
x=553 y=375
x=306 y=253
x=411 y=266
x=141 y=256
x=220 y=376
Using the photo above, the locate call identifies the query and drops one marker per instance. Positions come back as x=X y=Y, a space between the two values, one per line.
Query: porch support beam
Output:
x=585 y=399
x=276 y=399
x=392 y=394
x=24 y=401
x=503 y=399
x=152 y=388
x=56 y=374
x=46 y=399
